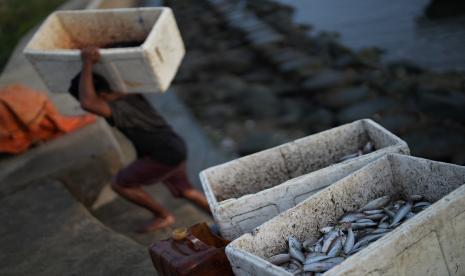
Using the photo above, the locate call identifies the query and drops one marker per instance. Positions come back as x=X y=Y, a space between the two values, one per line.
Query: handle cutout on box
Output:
x=160 y=57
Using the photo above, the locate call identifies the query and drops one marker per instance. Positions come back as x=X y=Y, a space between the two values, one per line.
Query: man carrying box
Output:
x=161 y=152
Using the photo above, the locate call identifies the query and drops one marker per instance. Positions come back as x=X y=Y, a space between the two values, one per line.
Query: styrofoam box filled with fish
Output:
x=246 y=192
x=420 y=240
x=141 y=48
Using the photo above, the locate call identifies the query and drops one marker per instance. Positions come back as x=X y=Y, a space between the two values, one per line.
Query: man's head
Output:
x=102 y=88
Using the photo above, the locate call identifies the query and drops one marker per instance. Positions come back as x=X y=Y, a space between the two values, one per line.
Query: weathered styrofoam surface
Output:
x=112 y=4
x=148 y=68
x=246 y=192
x=431 y=243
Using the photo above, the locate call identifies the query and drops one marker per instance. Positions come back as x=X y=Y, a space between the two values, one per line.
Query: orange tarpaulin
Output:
x=28 y=117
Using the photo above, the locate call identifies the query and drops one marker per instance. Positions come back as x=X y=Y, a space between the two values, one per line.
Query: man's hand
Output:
x=90 y=54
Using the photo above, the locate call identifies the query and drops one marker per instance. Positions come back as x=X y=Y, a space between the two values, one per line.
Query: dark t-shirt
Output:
x=147 y=130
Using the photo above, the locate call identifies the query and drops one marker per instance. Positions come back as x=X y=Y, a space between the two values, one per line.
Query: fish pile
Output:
x=367 y=148
x=353 y=232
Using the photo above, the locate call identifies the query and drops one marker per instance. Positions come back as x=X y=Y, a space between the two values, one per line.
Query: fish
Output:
x=295 y=249
x=389 y=213
x=363 y=225
x=334 y=260
x=319 y=267
x=403 y=211
x=348 y=157
x=367 y=239
x=380 y=230
x=316 y=259
x=376 y=216
x=326 y=229
x=350 y=240
x=351 y=217
x=376 y=203
x=367 y=148
x=383 y=225
x=364 y=221
x=280 y=259
x=329 y=238
x=373 y=212
x=336 y=247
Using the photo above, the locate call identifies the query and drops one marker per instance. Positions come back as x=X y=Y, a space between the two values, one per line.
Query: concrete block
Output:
x=84 y=160
x=431 y=243
x=248 y=191
x=45 y=231
x=147 y=68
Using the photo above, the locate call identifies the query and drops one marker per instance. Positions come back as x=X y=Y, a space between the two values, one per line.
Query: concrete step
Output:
x=125 y=217
x=46 y=232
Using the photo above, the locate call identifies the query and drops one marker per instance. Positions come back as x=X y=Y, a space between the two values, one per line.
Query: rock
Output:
x=364 y=109
x=344 y=96
x=435 y=142
x=259 y=102
x=397 y=123
x=318 y=119
x=256 y=141
x=443 y=104
x=324 y=80
x=47 y=232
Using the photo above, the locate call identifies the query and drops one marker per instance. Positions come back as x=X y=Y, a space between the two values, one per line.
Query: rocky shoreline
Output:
x=255 y=79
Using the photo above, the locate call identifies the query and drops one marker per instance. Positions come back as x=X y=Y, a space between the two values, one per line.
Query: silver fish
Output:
x=403 y=211
x=383 y=225
x=380 y=230
x=376 y=203
x=336 y=247
x=326 y=229
x=363 y=225
x=319 y=267
x=329 y=238
x=372 y=212
x=386 y=217
x=389 y=212
x=368 y=147
x=334 y=260
x=348 y=157
x=376 y=216
x=280 y=259
x=295 y=249
x=364 y=221
x=349 y=241
x=367 y=239
x=316 y=259
x=351 y=217
x=421 y=204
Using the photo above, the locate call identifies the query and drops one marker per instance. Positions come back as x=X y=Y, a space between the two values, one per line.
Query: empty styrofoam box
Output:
x=430 y=243
x=246 y=192
x=148 y=65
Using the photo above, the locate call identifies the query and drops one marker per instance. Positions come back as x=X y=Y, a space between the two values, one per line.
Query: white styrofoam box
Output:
x=431 y=243
x=246 y=192
x=147 y=68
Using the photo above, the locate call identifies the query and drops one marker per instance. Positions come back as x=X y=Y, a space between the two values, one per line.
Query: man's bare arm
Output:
x=87 y=94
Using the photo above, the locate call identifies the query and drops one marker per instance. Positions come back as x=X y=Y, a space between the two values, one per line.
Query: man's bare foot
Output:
x=157 y=223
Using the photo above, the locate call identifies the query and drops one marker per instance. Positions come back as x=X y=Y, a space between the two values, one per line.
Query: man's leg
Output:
x=128 y=184
x=179 y=185
x=137 y=195
x=197 y=198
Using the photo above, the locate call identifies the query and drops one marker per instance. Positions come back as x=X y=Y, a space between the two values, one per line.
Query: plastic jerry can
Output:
x=193 y=251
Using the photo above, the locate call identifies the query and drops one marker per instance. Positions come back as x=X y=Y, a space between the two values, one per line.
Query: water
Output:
x=397 y=26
